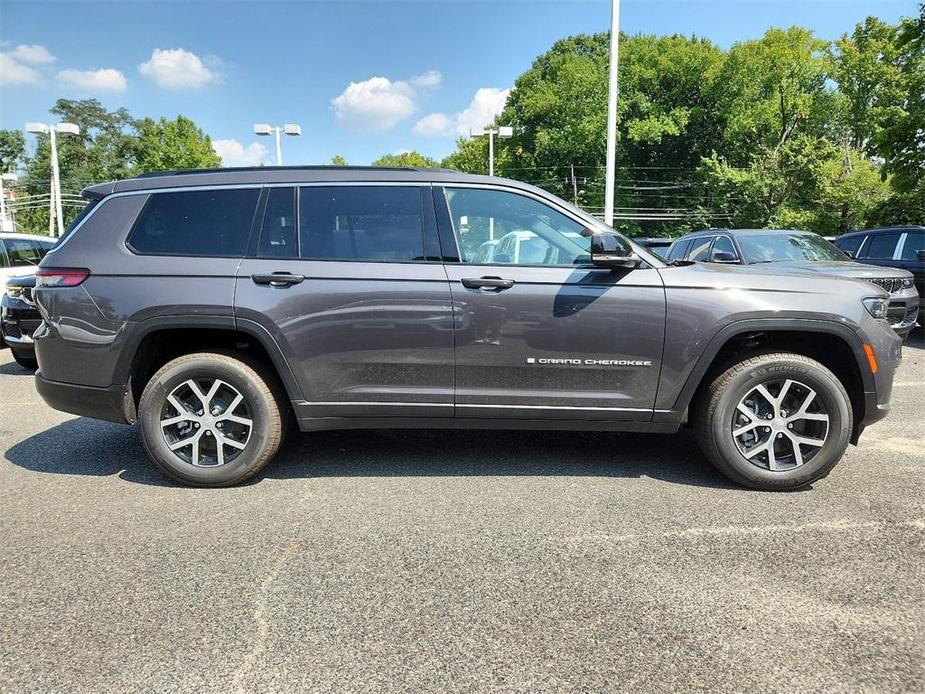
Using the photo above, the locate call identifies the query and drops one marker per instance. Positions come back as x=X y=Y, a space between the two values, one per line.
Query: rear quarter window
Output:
x=678 y=249
x=195 y=223
x=882 y=246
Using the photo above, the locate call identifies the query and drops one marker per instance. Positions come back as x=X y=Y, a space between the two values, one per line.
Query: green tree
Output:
x=12 y=149
x=412 y=158
x=173 y=144
x=338 y=160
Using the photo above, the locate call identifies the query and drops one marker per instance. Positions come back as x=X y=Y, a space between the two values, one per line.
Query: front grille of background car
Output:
x=891 y=284
x=27 y=295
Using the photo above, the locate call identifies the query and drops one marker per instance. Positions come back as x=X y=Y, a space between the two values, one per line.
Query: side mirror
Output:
x=608 y=251
x=920 y=255
x=850 y=254
x=724 y=257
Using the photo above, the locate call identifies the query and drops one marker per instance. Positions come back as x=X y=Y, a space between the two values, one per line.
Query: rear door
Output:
x=348 y=281
x=913 y=243
x=881 y=248
x=541 y=333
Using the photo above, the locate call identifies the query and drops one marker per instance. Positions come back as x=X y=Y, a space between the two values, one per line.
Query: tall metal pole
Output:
x=51 y=207
x=491 y=152
x=279 y=149
x=2 y=205
x=612 y=112
x=56 y=174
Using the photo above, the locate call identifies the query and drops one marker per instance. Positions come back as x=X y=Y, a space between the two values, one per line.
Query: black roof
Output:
x=287 y=174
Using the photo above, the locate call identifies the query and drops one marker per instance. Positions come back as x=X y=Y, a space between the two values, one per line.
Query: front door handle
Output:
x=489 y=283
x=278 y=279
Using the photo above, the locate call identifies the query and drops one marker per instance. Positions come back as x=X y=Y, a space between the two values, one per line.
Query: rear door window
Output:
x=700 y=248
x=367 y=223
x=882 y=246
x=201 y=223
x=278 y=237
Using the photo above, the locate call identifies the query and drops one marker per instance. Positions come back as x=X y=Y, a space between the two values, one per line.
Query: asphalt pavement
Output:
x=457 y=562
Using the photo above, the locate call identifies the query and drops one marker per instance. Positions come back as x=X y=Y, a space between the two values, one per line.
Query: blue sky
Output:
x=362 y=78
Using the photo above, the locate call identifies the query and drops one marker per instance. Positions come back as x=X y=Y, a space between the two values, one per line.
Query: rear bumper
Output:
x=87 y=401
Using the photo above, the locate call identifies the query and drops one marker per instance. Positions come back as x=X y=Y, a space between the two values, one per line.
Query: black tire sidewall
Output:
x=248 y=384
x=828 y=390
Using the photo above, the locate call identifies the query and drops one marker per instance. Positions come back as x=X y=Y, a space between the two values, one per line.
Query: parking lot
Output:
x=454 y=561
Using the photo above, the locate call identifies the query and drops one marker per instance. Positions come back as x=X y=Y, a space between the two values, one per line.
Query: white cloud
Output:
x=376 y=104
x=431 y=78
x=233 y=153
x=12 y=72
x=434 y=125
x=481 y=111
x=176 y=69
x=34 y=53
x=103 y=80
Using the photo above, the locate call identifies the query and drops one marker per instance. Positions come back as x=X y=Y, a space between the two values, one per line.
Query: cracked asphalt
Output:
x=457 y=561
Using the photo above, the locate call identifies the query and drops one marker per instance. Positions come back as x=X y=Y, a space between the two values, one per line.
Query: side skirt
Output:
x=331 y=423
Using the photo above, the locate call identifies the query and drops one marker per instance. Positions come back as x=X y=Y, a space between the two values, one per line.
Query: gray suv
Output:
x=216 y=308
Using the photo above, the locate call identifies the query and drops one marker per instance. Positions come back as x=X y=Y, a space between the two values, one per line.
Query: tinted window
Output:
x=377 y=223
x=678 y=249
x=23 y=252
x=723 y=244
x=278 y=237
x=882 y=246
x=915 y=242
x=700 y=248
x=3 y=261
x=528 y=231
x=851 y=244
x=197 y=223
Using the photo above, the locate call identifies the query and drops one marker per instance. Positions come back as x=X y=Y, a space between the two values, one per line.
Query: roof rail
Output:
x=234 y=169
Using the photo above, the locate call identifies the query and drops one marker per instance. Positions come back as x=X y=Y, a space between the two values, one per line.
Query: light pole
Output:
x=293 y=129
x=612 y=112
x=503 y=131
x=11 y=177
x=55 y=198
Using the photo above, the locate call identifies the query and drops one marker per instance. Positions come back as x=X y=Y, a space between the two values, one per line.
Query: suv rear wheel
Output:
x=774 y=421
x=211 y=419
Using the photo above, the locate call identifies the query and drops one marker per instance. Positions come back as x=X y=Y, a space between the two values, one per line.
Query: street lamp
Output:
x=11 y=177
x=293 y=129
x=613 y=92
x=64 y=129
x=503 y=131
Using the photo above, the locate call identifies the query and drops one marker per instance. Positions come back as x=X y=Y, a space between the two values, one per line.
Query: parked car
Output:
x=896 y=247
x=485 y=252
x=213 y=307
x=20 y=254
x=19 y=318
x=801 y=250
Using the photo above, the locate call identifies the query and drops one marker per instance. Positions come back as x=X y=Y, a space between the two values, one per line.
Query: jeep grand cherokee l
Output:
x=214 y=307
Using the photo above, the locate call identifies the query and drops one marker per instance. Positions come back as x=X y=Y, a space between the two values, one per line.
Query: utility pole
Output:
x=574 y=186
x=612 y=112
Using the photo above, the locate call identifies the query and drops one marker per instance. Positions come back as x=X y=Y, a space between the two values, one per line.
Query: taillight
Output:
x=60 y=277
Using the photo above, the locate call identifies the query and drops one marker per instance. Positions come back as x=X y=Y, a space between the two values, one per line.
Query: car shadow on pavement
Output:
x=89 y=447
x=13 y=369
x=916 y=339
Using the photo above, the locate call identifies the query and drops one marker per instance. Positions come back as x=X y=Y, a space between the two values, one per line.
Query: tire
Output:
x=218 y=458
x=769 y=454
x=25 y=362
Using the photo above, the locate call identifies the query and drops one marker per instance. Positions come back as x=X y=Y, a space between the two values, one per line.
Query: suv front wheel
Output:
x=211 y=419
x=774 y=422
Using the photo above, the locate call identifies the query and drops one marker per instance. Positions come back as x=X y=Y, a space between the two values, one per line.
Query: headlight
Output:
x=876 y=306
x=908 y=283
x=14 y=292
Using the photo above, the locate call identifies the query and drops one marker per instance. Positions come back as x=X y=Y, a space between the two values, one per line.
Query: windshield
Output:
x=769 y=248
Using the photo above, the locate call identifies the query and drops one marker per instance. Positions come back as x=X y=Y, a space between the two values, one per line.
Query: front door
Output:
x=348 y=281
x=540 y=332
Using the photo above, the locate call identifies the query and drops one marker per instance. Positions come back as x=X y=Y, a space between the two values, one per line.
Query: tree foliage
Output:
x=784 y=130
x=412 y=158
x=173 y=144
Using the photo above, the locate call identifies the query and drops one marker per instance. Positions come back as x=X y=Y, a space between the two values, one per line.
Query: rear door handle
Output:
x=495 y=283
x=278 y=279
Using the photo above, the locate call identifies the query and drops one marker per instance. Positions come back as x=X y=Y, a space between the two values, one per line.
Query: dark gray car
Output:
x=804 y=250
x=213 y=308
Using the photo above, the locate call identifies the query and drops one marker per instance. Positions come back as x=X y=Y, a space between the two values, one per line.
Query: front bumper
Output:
x=18 y=321
x=903 y=311
x=111 y=403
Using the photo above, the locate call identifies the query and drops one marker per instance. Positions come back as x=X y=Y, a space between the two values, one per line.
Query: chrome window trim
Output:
x=900 y=246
